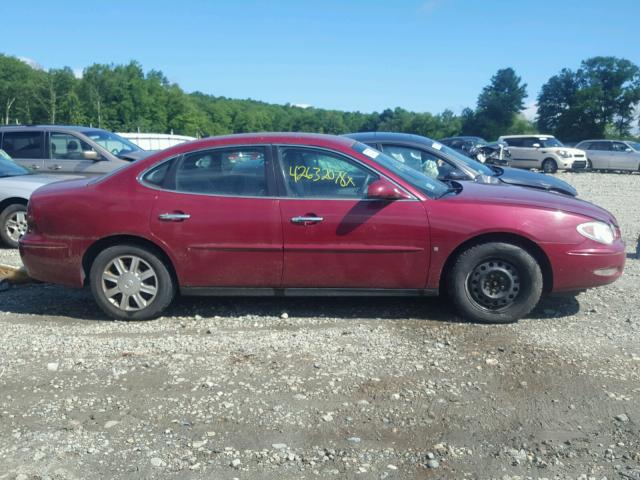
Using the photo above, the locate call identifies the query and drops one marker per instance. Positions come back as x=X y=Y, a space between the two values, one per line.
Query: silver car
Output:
x=611 y=154
x=16 y=186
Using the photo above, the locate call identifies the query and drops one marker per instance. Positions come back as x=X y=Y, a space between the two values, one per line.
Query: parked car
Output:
x=465 y=145
x=494 y=153
x=67 y=149
x=431 y=157
x=611 y=154
x=16 y=186
x=544 y=152
x=302 y=214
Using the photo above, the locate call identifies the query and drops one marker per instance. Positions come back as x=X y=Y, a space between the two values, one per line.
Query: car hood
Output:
x=504 y=194
x=31 y=182
x=526 y=178
x=133 y=156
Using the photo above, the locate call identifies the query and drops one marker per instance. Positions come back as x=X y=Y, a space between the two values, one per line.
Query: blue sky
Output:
x=422 y=55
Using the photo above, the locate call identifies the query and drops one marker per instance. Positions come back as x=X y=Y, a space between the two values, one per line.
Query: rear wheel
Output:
x=13 y=224
x=131 y=283
x=495 y=283
x=549 y=166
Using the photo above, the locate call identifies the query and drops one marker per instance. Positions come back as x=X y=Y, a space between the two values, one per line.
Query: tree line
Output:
x=597 y=100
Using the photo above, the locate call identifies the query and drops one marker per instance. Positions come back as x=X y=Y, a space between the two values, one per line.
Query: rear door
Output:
x=334 y=237
x=521 y=156
x=216 y=212
x=26 y=147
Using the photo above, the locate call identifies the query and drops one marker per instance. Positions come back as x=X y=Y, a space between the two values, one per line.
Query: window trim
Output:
x=280 y=175
x=271 y=191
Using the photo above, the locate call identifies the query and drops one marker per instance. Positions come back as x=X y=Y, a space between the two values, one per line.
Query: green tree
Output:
x=497 y=107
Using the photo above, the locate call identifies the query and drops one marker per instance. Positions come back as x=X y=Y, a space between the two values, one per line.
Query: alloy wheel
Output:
x=16 y=225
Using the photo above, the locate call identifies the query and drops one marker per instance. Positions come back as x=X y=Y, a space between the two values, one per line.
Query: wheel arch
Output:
x=11 y=201
x=504 y=237
x=99 y=245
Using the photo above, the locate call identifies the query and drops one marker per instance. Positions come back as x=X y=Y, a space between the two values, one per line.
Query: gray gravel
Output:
x=338 y=388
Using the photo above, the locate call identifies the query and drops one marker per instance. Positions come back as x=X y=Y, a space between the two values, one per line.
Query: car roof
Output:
x=536 y=135
x=75 y=128
x=389 y=137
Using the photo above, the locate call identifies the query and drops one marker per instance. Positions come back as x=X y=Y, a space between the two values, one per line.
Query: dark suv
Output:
x=68 y=149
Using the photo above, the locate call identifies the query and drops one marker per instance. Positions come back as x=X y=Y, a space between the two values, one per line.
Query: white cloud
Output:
x=78 y=72
x=530 y=111
x=31 y=62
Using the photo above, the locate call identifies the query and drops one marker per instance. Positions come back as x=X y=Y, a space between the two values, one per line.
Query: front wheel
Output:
x=495 y=283
x=549 y=166
x=131 y=283
x=13 y=224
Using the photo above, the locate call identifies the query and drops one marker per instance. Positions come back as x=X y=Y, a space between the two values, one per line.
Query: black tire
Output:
x=133 y=280
x=474 y=292
x=10 y=231
x=589 y=166
x=549 y=166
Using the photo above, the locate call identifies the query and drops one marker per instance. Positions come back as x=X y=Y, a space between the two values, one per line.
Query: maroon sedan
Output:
x=298 y=214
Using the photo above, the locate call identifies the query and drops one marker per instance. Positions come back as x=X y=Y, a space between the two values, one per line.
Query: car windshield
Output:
x=551 y=142
x=429 y=186
x=112 y=142
x=479 y=168
x=8 y=168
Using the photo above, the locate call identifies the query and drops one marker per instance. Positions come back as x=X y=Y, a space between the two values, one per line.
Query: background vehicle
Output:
x=543 y=152
x=611 y=154
x=67 y=149
x=16 y=186
x=301 y=214
x=433 y=158
x=494 y=153
x=466 y=145
x=155 y=141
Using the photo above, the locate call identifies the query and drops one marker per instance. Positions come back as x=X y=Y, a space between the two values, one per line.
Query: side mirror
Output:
x=456 y=175
x=91 y=155
x=628 y=149
x=536 y=145
x=385 y=190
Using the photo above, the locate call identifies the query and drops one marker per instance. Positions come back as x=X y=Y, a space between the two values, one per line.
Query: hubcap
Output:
x=16 y=225
x=494 y=284
x=129 y=283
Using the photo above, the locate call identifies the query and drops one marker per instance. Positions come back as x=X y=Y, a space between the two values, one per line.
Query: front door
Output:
x=600 y=154
x=215 y=211
x=70 y=154
x=334 y=237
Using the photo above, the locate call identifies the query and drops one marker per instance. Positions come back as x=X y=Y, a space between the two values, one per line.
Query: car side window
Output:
x=584 y=146
x=157 y=175
x=64 y=146
x=530 y=141
x=603 y=146
x=314 y=173
x=233 y=172
x=420 y=160
x=620 y=147
x=514 y=142
x=24 y=144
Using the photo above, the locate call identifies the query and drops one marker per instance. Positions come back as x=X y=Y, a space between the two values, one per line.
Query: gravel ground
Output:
x=337 y=388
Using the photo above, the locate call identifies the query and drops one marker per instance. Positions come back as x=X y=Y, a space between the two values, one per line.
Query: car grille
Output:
x=579 y=164
x=579 y=155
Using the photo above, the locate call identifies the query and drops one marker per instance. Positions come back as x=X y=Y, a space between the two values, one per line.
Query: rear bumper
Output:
x=576 y=269
x=50 y=261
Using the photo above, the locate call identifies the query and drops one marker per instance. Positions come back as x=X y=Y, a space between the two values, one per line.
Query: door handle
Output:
x=35 y=167
x=174 y=217
x=55 y=167
x=306 y=219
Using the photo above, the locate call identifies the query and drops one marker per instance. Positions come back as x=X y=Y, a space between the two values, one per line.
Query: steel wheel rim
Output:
x=494 y=284
x=129 y=283
x=16 y=225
